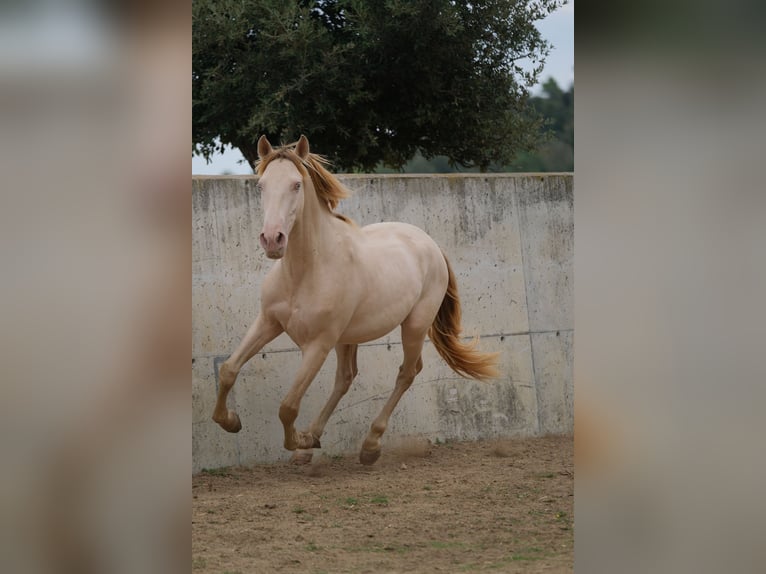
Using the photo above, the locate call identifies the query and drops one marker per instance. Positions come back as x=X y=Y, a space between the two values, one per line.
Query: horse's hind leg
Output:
x=412 y=343
x=344 y=375
x=258 y=335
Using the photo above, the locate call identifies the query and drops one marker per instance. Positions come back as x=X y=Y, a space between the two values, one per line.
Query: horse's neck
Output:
x=311 y=238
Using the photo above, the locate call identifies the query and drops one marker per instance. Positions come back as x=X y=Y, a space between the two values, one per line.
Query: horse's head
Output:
x=281 y=186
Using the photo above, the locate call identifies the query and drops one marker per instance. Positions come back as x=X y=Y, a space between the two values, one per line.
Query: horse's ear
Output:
x=302 y=148
x=264 y=147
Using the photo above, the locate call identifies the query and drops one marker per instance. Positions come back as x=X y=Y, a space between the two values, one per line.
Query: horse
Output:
x=336 y=285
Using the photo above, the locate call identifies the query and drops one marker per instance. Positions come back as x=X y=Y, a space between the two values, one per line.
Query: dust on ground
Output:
x=501 y=506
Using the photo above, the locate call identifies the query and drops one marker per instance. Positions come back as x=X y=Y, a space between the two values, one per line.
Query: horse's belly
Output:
x=370 y=327
x=383 y=309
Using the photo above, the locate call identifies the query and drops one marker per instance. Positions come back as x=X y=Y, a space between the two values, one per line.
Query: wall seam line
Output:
x=395 y=343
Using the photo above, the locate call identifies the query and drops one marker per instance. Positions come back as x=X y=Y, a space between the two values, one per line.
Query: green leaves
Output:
x=368 y=81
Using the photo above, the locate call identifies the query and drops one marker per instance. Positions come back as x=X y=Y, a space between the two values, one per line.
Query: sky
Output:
x=557 y=28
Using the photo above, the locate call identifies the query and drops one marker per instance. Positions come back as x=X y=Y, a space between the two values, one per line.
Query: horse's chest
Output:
x=305 y=319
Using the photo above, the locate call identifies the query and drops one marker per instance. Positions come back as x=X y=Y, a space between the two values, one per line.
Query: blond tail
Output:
x=462 y=358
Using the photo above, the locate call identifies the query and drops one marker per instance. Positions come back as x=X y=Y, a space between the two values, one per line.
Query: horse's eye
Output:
x=259 y=187
x=297 y=186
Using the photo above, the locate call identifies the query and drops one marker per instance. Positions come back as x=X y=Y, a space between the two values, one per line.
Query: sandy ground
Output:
x=499 y=506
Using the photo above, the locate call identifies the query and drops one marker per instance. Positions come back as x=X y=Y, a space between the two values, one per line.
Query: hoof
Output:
x=233 y=424
x=369 y=457
x=307 y=440
x=301 y=456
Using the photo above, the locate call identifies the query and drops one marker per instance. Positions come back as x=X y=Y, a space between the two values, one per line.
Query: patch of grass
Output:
x=231 y=572
x=312 y=547
x=563 y=518
x=442 y=544
x=524 y=555
x=351 y=501
x=528 y=554
x=546 y=475
x=428 y=487
x=223 y=471
x=302 y=514
x=198 y=563
x=381 y=548
x=380 y=499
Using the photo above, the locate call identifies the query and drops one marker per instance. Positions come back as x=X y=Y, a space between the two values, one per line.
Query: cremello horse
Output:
x=336 y=285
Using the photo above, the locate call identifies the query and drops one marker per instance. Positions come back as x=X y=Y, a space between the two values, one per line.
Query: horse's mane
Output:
x=327 y=187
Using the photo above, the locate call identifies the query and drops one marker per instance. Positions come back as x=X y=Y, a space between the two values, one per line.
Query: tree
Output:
x=369 y=82
x=557 y=152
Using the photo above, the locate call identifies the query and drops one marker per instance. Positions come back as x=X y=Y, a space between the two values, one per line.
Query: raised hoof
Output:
x=369 y=457
x=233 y=424
x=301 y=456
x=306 y=441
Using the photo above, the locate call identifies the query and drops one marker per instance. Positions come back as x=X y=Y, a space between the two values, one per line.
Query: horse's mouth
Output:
x=275 y=254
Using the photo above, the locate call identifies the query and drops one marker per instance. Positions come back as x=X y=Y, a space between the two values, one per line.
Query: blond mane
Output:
x=327 y=187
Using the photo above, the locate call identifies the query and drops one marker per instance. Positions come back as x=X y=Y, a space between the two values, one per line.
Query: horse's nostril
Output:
x=280 y=238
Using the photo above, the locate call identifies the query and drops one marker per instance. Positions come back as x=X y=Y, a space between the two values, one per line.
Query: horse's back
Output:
x=395 y=235
x=401 y=245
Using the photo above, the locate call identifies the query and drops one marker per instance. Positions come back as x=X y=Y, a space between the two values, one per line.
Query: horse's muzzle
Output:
x=274 y=244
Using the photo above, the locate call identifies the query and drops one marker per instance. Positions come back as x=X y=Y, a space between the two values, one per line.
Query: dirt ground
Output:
x=500 y=506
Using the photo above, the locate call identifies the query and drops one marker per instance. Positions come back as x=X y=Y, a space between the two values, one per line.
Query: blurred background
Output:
x=670 y=237
x=95 y=116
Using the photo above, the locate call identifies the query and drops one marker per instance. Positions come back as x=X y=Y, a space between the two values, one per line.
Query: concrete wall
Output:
x=509 y=239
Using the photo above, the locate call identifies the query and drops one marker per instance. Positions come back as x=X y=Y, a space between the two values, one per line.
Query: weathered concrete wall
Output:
x=509 y=239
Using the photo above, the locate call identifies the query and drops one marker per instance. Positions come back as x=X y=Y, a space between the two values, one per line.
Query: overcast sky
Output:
x=557 y=28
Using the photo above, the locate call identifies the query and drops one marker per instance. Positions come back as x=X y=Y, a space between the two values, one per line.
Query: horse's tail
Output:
x=463 y=358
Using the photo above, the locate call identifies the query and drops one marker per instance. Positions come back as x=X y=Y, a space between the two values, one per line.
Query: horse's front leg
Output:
x=344 y=376
x=261 y=332
x=314 y=356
